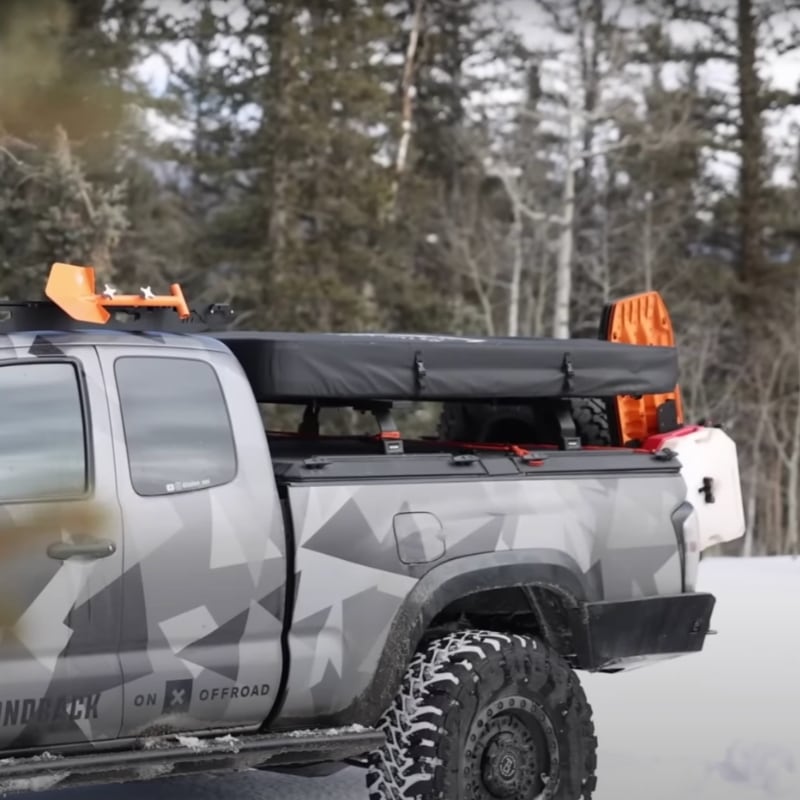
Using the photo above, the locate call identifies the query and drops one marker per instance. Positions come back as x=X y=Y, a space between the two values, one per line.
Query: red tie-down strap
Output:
x=525 y=452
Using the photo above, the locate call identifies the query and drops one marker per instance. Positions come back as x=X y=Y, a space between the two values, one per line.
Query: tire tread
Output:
x=409 y=766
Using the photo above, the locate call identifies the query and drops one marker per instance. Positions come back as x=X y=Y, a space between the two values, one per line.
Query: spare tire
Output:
x=487 y=422
x=591 y=421
x=518 y=424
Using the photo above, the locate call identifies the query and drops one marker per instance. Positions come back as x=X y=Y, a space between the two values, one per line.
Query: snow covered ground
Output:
x=720 y=725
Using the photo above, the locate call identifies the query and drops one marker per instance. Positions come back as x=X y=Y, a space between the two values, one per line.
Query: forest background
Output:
x=500 y=167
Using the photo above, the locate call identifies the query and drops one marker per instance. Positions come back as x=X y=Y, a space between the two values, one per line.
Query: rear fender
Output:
x=440 y=587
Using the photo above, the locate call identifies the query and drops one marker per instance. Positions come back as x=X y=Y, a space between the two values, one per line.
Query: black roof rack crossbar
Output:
x=40 y=315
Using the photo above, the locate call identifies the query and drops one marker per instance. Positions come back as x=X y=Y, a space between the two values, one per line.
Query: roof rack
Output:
x=74 y=304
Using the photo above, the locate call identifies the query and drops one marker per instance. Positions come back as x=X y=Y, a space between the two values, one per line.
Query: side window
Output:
x=176 y=422
x=42 y=433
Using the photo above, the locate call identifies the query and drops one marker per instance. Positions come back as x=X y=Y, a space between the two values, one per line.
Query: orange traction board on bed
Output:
x=643 y=319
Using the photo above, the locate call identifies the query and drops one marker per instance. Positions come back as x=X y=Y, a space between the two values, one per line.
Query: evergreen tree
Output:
x=51 y=212
x=445 y=191
x=66 y=78
x=284 y=170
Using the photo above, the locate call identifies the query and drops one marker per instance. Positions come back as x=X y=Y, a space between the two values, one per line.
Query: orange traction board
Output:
x=643 y=319
x=72 y=288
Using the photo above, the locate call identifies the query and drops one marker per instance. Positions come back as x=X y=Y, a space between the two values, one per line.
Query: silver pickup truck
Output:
x=194 y=590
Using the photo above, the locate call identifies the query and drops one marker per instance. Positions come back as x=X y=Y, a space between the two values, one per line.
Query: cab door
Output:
x=60 y=550
x=205 y=570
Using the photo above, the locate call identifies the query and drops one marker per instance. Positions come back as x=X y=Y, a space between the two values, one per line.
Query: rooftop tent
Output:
x=298 y=367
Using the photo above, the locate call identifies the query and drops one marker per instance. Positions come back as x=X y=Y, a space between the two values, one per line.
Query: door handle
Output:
x=87 y=548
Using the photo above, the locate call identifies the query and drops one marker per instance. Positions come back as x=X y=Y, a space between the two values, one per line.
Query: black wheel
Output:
x=591 y=420
x=486 y=716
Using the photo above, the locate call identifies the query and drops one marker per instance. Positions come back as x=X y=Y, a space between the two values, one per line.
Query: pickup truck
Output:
x=192 y=590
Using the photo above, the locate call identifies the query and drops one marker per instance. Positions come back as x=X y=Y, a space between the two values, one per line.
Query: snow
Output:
x=718 y=725
x=192 y=742
x=39 y=783
x=302 y=734
x=232 y=742
x=721 y=724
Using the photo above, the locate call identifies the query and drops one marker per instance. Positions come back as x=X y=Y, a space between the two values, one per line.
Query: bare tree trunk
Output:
x=481 y=291
x=751 y=175
x=776 y=524
x=647 y=243
x=409 y=68
x=514 y=294
x=751 y=502
x=766 y=390
x=605 y=263
x=541 y=304
x=536 y=294
x=793 y=481
x=791 y=534
x=590 y=25
x=770 y=519
x=751 y=508
x=566 y=239
x=275 y=182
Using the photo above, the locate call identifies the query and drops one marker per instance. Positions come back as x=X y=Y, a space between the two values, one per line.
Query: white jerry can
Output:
x=710 y=467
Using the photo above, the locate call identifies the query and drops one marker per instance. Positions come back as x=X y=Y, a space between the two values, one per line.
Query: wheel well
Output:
x=532 y=610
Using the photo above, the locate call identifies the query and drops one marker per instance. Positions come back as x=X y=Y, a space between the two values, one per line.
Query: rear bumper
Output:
x=618 y=635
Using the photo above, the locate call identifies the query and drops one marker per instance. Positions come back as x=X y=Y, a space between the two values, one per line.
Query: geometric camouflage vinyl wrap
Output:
x=618 y=528
x=180 y=629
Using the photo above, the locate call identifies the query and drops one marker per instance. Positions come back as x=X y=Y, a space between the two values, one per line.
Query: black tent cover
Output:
x=330 y=367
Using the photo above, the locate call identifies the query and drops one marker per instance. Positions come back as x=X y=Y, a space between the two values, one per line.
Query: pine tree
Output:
x=445 y=191
x=52 y=212
x=284 y=171
x=70 y=107
x=744 y=234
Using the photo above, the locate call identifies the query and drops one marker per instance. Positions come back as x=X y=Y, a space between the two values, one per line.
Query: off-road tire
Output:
x=481 y=716
x=471 y=422
x=591 y=421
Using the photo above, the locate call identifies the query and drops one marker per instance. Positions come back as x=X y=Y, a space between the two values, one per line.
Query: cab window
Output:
x=43 y=452
x=177 y=428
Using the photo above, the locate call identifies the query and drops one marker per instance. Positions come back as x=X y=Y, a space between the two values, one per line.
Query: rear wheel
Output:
x=486 y=716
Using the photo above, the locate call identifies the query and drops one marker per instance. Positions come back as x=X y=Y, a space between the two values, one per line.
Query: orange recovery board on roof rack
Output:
x=72 y=288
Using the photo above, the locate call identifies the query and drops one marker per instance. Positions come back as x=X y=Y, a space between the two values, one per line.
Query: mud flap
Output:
x=629 y=633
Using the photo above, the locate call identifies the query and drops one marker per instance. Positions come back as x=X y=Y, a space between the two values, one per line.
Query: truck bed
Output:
x=368 y=525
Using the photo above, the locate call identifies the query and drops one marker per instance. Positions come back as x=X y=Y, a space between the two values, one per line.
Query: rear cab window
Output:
x=177 y=426
x=43 y=432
